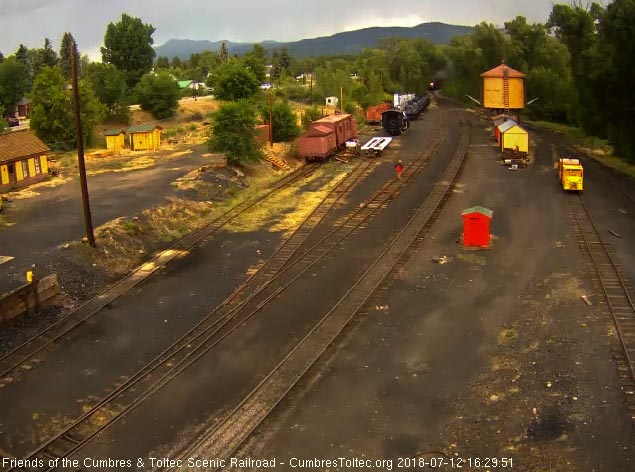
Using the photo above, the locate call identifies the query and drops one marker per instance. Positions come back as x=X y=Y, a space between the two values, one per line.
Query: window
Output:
x=25 y=169
x=38 y=169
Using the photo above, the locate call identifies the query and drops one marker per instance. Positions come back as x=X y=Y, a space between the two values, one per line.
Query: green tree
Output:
x=65 y=54
x=223 y=54
x=616 y=44
x=1 y=57
x=232 y=81
x=234 y=133
x=158 y=94
x=52 y=115
x=310 y=115
x=23 y=57
x=254 y=60
x=285 y=121
x=163 y=63
x=128 y=46
x=109 y=84
x=3 y=122
x=13 y=82
x=49 y=56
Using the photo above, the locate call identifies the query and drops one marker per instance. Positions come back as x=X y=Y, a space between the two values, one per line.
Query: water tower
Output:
x=503 y=92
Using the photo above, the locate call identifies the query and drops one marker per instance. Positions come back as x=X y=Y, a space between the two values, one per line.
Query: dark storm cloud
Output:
x=29 y=21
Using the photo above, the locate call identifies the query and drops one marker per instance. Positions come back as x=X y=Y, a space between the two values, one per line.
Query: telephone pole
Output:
x=88 y=222
x=271 y=119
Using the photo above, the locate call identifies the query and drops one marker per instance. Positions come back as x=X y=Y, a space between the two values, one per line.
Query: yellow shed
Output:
x=514 y=138
x=503 y=88
x=115 y=139
x=23 y=159
x=144 y=137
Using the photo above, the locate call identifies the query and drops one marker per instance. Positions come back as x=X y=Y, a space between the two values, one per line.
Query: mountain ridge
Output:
x=346 y=42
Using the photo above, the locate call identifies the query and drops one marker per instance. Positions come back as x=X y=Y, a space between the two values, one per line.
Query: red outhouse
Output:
x=476 y=226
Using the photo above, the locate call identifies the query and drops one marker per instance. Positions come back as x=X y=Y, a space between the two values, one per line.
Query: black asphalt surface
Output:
x=400 y=379
x=237 y=363
x=55 y=217
x=399 y=383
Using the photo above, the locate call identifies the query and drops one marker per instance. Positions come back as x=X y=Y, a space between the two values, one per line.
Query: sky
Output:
x=30 y=21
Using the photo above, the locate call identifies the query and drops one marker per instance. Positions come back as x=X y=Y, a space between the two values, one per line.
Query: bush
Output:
x=234 y=133
x=158 y=94
x=285 y=122
x=350 y=108
x=310 y=115
x=232 y=81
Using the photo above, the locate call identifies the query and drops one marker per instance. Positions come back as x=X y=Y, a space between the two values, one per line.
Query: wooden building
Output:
x=513 y=137
x=503 y=91
x=115 y=139
x=476 y=226
x=23 y=159
x=144 y=137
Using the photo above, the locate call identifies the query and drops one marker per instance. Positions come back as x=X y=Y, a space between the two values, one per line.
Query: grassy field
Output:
x=596 y=148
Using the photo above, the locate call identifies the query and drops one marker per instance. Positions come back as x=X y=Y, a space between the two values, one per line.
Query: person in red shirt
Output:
x=399 y=169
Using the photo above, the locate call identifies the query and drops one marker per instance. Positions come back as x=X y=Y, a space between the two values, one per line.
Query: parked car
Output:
x=13 y=121
x=266 y=86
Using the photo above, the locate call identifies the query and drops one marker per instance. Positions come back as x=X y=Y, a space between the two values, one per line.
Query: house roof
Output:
x=17 y=144
x=114 y=132
x=507 y=125
x=142 y=128
x=23 y=102
x=478 y=209
x=185 y=83
x=500 y=72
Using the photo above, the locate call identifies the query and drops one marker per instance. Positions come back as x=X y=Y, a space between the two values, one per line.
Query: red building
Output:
x=476 y=226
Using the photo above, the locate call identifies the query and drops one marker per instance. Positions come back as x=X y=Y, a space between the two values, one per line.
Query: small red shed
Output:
x=476 y=226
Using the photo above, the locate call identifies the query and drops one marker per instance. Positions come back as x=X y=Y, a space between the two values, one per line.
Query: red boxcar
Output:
x=326 y=136
x=373 y=114
x=344 y=126
x=318 y=142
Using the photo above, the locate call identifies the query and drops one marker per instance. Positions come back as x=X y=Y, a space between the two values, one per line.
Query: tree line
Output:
x=579 y=65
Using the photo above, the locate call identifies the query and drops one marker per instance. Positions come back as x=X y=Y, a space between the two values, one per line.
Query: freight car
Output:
x=415 y=106
x=326 y=136
x=394 y=122
x=373 y=114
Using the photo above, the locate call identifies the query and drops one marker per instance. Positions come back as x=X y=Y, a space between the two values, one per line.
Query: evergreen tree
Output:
x=65 y=54
x=49 y=56
x=222 y=53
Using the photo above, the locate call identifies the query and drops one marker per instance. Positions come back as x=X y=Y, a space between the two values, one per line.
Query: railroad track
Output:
x=253 y=295
x=24 y=357
x=617 y=293
x=230 y=432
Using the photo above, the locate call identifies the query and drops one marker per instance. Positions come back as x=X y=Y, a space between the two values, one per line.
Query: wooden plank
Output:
x=22 y=299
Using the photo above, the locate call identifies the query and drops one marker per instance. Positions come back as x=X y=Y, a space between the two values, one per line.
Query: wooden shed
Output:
x=144 y=137
x=514 y=138
x=476 y=226
x=115 y=139
x=23 y=159
x=503 y=88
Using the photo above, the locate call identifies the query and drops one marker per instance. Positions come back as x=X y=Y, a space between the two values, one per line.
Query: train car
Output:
x=394 y=122
x=373 y=114
x=571 y=174
x=416 y=106
x=344 y=126
x=326 y=136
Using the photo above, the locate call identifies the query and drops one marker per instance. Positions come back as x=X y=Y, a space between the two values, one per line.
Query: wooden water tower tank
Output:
x=503 y=90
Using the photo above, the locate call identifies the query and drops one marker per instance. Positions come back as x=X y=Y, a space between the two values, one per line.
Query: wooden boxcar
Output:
x=344 y=126
x=373 y=114
x=318 y=142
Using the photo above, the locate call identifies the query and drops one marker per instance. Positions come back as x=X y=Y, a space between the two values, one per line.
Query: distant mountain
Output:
x=349 y=42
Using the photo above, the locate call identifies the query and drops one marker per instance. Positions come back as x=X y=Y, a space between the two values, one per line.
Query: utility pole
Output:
x=342 y=99
x=88 y=222
x=271 y=119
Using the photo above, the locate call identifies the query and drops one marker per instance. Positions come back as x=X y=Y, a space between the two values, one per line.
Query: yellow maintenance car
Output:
x=571 y=174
